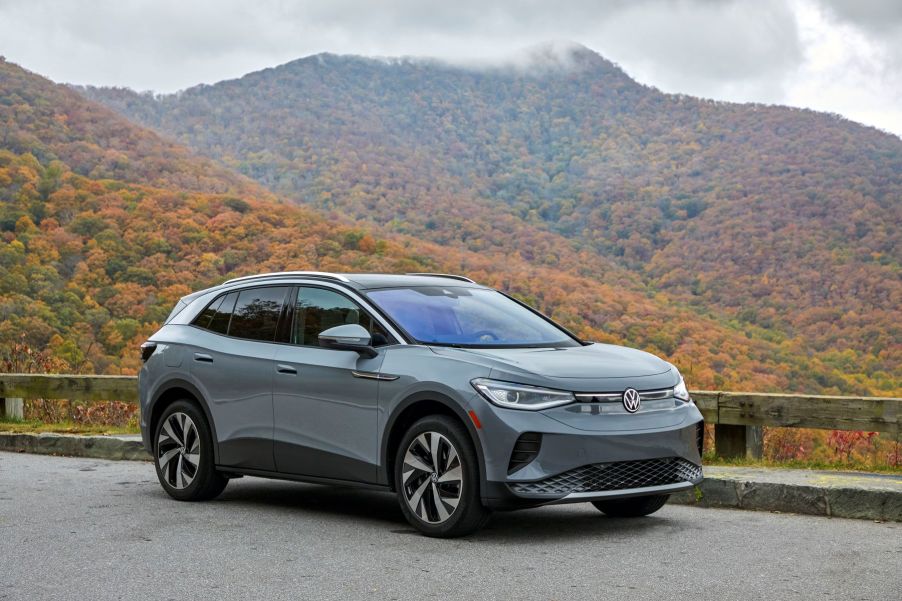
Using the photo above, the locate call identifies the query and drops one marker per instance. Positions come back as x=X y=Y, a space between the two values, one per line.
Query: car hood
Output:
x=596 y=367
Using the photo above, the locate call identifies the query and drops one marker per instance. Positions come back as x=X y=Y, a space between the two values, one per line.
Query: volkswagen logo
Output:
x=631 y=400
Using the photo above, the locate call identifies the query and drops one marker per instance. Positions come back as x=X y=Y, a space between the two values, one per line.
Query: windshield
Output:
x=473 y=317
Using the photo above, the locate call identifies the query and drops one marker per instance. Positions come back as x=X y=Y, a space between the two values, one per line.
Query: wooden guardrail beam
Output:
x=738 y=417
x=871 y=414
x=71 y=387
x=706 y=401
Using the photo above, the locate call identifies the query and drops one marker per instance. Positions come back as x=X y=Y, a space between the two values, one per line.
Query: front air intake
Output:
x=620 y=475
x=525 y=450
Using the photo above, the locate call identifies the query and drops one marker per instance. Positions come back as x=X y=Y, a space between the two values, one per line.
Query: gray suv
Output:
x=455 y=396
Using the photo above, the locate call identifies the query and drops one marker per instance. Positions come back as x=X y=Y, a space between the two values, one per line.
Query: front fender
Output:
x=385 y=477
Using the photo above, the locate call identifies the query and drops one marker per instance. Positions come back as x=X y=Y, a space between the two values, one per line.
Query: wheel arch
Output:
x=411 y=409
x=175 y=390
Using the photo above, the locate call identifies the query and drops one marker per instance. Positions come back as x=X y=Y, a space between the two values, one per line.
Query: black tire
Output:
x=205 y=481
x=631 y=507
x=469 y=514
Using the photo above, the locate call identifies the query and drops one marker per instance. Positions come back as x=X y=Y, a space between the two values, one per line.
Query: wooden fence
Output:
x=737 y=416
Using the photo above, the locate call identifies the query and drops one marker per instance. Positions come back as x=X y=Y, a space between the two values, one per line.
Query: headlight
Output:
x=521 y=396
x=680 y=391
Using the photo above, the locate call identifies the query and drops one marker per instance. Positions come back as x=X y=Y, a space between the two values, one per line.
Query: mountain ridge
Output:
x=107 y=144
x=552 y=57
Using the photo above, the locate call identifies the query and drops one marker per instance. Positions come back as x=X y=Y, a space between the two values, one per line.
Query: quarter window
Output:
x=220 y=321
x=206 y=316
x=217 y=314
x=318 y=309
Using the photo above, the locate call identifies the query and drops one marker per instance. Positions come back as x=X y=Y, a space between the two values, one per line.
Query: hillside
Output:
x=773 y=218
x=91 y=262
x=51 y=121
x=89 y=273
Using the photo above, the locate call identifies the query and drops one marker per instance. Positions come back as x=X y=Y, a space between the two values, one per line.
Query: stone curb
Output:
x=840 y=502
x=74 y=445
x=718 y=490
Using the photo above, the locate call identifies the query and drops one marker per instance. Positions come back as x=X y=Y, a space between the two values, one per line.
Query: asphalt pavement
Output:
x=74 y=528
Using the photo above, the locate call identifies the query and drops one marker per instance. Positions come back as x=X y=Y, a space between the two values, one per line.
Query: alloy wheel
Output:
x=178 y=450
x=432 y=477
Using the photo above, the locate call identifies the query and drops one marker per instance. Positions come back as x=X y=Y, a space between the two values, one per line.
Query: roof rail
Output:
x=445 y=275
x=275 y=274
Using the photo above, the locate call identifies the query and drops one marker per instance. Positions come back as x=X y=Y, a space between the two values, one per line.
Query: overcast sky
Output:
x=842 y=56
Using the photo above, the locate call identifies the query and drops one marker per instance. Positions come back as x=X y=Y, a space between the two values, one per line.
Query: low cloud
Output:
x=875 y=15
x=727 y=49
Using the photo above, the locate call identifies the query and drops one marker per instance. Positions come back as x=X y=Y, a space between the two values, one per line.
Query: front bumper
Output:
x=598 y=460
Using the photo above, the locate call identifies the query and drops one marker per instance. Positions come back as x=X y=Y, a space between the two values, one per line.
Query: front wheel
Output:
x=183 y=454
x=631 y=507
x=437 y=479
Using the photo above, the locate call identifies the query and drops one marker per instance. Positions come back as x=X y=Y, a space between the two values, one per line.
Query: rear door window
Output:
x=256 y=313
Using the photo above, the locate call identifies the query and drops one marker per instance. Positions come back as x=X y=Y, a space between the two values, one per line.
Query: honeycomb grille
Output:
x=620 y=475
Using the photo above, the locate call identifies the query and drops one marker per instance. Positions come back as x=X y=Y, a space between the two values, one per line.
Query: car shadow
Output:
x=315 y=498
x=527 y=526
x=544 y=524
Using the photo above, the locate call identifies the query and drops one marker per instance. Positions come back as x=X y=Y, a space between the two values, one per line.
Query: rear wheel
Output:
x=437 y=479
x=183 y=454
x=631 y=507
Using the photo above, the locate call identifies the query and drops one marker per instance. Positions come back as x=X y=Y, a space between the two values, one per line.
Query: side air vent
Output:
x=525 y=450
x=700 y=437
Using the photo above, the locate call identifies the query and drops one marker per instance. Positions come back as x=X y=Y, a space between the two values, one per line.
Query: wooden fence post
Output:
x=754 y=442
x=731 y=442
x=14 y=408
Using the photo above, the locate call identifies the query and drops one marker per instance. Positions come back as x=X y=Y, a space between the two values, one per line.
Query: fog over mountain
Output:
x=842 y=56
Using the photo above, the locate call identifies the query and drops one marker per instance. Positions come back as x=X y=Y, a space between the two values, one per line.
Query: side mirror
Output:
x=350 y=337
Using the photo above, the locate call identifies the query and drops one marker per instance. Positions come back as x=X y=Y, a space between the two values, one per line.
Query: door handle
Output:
x=286 y=369
x=203 y=358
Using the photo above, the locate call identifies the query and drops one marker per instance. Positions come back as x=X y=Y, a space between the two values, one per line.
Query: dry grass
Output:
x=844 y=466
x=34 y=426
